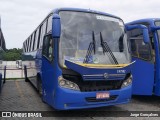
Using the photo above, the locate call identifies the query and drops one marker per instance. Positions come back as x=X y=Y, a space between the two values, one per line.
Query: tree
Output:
x=12 y=54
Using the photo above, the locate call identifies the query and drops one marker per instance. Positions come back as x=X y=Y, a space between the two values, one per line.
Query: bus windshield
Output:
x=99 y=39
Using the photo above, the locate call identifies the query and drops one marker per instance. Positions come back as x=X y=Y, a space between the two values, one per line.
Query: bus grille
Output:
x=98 y=85
x=90 y=86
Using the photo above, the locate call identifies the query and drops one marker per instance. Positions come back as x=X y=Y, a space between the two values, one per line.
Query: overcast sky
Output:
x=21 y=17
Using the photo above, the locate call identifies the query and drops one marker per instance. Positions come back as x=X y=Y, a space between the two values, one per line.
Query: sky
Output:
x=20 y=17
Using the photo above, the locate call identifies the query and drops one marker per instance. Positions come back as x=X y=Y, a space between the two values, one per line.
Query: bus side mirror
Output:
x=143 y=27
x=56 y=26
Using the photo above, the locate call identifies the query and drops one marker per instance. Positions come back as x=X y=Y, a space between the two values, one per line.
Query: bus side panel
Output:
x=157 y=88
x=50 y=74
x=157 y=64
x=48 y=81
x=143 y=77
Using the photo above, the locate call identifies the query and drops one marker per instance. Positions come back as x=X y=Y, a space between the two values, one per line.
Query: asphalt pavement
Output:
x=17 y=95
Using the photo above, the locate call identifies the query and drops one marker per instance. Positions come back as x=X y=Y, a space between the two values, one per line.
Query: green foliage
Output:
x=12 y=54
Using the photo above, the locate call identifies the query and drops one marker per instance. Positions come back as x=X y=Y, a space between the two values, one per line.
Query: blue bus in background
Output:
x=2 y=66
x=79 y=58
x=146 y=71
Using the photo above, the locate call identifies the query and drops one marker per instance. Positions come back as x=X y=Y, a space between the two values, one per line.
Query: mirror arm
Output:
x=131 y=27
x=138 y=26
x=153 y=29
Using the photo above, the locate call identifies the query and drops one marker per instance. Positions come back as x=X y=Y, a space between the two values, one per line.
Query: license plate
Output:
x=102 y=95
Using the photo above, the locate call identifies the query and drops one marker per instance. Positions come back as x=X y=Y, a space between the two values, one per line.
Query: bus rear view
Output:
x=84 y=61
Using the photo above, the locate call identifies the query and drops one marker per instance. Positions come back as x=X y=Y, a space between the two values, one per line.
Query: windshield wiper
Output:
x=92 y=47
x=121 y=46
x=107 y=50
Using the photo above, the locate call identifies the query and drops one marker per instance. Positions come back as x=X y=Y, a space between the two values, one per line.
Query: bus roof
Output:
x=147 y=20
x=74 y=9
x=83 y=10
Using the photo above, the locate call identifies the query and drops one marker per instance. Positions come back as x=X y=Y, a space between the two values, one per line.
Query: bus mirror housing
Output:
x=155 y=28
x=142 y=27
x=56 y=26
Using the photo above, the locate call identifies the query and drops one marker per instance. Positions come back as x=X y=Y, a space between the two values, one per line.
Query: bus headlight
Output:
x=127 y=82
x=67 y=84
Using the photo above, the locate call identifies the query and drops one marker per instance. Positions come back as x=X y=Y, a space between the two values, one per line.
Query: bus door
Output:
x=47 y=68
x=143 y=69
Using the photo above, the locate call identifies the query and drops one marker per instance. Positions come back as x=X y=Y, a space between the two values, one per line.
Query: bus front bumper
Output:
x=66 y=99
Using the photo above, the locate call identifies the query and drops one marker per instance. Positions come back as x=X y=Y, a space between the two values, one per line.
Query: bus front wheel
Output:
x=39 y=81
x=40 y=89
x=25 y=74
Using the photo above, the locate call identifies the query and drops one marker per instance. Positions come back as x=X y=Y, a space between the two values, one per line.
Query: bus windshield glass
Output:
x=92 y=38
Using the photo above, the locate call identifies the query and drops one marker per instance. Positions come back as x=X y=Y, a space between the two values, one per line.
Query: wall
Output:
x=12 y=70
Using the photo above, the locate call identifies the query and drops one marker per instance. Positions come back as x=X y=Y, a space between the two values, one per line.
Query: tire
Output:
x=4 y=75
x=39 y=86
x=26 y=79
x=25 y=74
x=40 y=91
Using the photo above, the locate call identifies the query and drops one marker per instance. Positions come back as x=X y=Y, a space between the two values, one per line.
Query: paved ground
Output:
x=21 y=96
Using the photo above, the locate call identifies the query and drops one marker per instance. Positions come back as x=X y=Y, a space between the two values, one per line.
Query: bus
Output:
x=79 y=58
x=2 y=66
x=146 y=71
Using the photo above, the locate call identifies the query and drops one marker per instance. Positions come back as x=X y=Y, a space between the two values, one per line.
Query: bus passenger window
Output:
x=48 y=47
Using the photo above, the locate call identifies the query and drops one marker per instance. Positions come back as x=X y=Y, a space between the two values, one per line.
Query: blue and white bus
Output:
x=79 y=58
x=146 y=71
x=2 y=66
